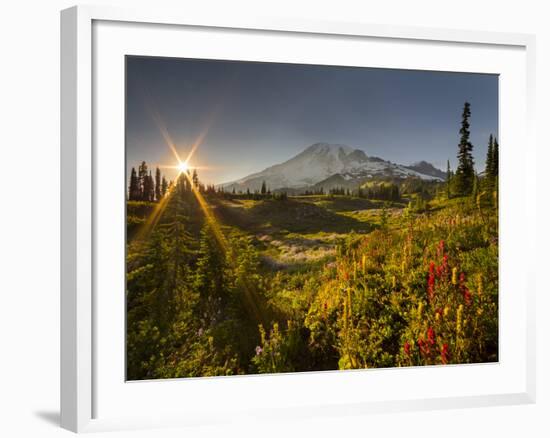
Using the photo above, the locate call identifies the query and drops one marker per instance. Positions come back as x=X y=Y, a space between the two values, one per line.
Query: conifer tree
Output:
x=464 y=177
x=210 y=276
x=149 y=190
x=264 y=189
x=448 y=180
x=164 y=186
x=495 y=158
x=142 y=181
x=489 y=165
x=158 y=187
x=133 y=191
x=195 y=179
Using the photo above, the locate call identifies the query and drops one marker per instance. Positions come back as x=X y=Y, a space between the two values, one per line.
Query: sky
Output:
x=246 y=116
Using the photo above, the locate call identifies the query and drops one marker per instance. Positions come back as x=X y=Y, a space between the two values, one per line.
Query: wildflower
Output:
x=480 y=284
x=462 y=278
x=445 y=263
x=420 y=308
x=407 y=348
x=446 y=311
x=431 y=336
x=440 y=247
x=453 y=279
x=431 y=286
x=394 y=282
x=459 y=318
x=363 y=263
x=437 y=316
x=467 y=296
x=444 y=354
x=423 y=346
x=325 y=306
x=259 y=350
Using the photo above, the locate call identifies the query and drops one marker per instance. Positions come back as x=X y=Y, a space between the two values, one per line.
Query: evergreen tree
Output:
x=149 y=188
x=489 y=165
x=464 y=177
x=142 y=181
x=164 y=186
x=133 y=191
x=264 y=189
x=211 y=280
x=448 y=180
x=195 y=178
x=158 y=187
x=495 y=158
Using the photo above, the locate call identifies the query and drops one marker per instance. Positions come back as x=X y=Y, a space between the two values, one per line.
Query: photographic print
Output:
x=293 y=218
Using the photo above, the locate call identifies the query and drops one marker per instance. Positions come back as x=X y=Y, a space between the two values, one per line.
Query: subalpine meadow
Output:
x=387 y=271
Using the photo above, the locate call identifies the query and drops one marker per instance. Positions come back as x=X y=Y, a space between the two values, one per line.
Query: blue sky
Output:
x=254 y=115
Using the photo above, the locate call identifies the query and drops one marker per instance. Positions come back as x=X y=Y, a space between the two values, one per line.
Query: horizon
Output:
x=238 y=118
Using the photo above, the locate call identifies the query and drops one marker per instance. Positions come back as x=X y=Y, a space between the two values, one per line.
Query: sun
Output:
x=183 y=166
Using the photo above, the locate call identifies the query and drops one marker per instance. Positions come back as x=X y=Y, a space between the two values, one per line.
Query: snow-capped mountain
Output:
x=322 y=161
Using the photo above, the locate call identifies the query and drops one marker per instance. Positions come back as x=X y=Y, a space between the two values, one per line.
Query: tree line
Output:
x=465 y=181
x=143 y=187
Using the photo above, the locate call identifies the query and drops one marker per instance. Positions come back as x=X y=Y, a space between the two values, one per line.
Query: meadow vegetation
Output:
x=400 y=272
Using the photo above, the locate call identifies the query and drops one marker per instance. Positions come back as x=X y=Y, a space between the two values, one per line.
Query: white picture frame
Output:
x=81 y=339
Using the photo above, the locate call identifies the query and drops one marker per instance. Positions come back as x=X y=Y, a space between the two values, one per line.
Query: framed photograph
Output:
x=280 y=218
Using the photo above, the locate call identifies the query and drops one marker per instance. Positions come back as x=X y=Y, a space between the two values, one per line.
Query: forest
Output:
x=400 y=272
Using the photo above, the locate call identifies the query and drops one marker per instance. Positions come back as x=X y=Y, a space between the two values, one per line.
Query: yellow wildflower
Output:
x=455 y=270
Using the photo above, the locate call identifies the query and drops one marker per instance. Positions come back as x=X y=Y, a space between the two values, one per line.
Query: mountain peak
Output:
x=328 y=147
x=427 y=169
x=320 y=161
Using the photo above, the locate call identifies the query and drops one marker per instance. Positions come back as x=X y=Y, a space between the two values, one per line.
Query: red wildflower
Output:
x=441 y=247
x=445 y=353
x=462 y=278
x=432 y=267
x=423 y=346
x=445 y=263
x=467 y=296
x=431 y=336
x=439 y=271
x=407 y=348
x=431 y=282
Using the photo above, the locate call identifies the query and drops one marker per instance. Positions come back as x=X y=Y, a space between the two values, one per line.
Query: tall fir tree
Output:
x=149 y=188
x=142 y=181
x=211 y=280
x=495 y=158
x=164 y=186
x=448 y=180
x=158 y=187
x=464 y=178
x=133 y=190
x=489 y=165
x=264 y=188
x=195 y=179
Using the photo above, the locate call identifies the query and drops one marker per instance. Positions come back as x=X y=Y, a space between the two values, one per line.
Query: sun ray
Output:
x=164 y=132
